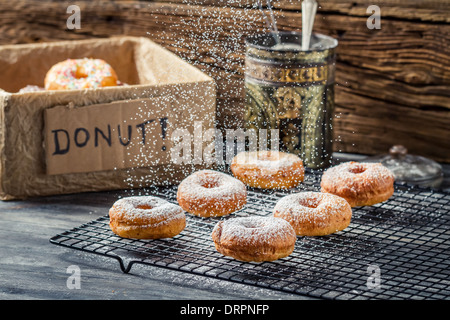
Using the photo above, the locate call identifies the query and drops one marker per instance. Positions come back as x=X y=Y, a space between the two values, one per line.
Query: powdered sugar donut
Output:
x=146 y=217
x=314 y=213
x=80 y=74
x=361 y=184
x=254 y=238
x=268 y=169
x=209 y=193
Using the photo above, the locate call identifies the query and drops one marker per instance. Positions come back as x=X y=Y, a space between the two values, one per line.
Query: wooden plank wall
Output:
x=393 y=84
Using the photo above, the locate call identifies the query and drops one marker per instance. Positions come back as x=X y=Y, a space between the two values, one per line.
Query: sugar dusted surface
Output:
x=343 y=175
x=256 y=229
x=311 y=206
x=269 y=160
x=127 y=209
x=225 y=186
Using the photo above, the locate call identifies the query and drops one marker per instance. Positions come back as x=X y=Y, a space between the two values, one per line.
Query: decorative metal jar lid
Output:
x=410 y=169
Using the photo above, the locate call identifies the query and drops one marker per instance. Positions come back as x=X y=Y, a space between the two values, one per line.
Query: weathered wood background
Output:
x=393 y=84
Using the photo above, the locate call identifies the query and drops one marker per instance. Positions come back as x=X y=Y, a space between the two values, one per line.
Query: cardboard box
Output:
x=70 y=141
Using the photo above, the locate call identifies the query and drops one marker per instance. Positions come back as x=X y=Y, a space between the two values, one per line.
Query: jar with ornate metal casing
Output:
x=293 y=91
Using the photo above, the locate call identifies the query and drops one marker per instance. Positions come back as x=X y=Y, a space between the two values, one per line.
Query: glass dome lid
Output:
x=410 y=169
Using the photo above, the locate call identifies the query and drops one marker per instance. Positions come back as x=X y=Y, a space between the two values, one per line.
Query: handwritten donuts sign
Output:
x=110 y=136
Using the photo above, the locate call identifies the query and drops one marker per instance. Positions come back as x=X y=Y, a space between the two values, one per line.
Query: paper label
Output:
x=116 y=135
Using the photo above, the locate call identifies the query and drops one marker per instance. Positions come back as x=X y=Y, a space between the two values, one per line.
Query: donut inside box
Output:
x=119 y=137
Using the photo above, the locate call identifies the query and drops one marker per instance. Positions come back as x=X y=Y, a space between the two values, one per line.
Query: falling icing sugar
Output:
x=204 y=46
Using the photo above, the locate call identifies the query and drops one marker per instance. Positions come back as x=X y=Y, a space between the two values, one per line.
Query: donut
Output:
x=146 y=217
x=80 y=74
x=209 y=193
x=361 y=184
x=30 y=88
x=313 y=213
x=254 y=238
x=268 y=169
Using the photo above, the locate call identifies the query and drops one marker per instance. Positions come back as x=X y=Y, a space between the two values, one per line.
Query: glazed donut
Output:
x=80 y=74
x=361 y=184
x=268 y=169
x=254 y=238
x=146 y=217
x=209 y=193
x=314 y=213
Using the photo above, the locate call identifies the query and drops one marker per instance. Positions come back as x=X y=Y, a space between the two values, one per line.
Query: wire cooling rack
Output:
x=398 y=249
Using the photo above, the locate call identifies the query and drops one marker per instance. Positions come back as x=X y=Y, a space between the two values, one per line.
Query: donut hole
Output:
x=80 y=73
x=251 y=224
x=209 y=181
x=144 y=207
x=356 y=169
x=310 y=203
x=209 y=184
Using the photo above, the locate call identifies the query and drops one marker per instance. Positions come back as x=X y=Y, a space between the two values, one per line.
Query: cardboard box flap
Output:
x=137 y=61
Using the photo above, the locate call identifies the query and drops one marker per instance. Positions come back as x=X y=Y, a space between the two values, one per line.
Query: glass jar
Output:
x=410 y=169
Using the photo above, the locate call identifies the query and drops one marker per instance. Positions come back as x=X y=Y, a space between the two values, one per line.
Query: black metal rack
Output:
x=398 y=249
